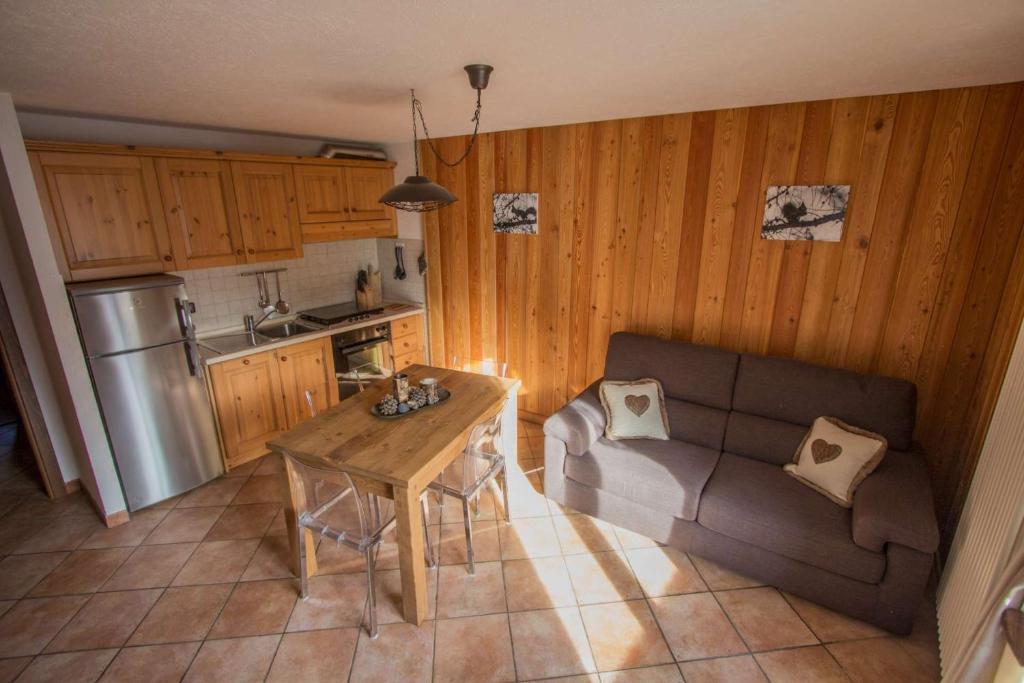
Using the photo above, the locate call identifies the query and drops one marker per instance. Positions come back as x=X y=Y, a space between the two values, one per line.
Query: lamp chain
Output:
x=417 y=108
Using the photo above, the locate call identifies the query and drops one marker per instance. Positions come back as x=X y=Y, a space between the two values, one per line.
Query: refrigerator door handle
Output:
x=191 y=357
x=185 y=310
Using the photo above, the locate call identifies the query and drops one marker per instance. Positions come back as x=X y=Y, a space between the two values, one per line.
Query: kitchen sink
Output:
x=229 y=343
x=284 y=330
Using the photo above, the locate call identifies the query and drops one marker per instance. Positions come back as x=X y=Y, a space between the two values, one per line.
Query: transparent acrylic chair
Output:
x=328 y=503
x=480 y=464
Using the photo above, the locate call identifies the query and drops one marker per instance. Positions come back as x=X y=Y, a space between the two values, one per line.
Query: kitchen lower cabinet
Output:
x=407 y=340
x=263 y=394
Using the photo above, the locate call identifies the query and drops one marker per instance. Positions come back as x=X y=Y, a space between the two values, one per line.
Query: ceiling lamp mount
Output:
x=418 y=193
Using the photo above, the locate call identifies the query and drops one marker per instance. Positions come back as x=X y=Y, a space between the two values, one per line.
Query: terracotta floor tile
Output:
x=181 y=614
x=696 y=627
x=451 y=512
x=801 y=665
x=10 y=668
x=239 y=660
x=526 y=496
x=277 y=526
x=314 y=656
x=473 y=650
x=557 y=509
x=217 y=492
x=461 y=594
x=550 y=643
x=105 y=621
x=719 y=578
x=167 y=503
x=183 y=526
x=666 y=673
x=624 y=635
x=402 y=653
x=131 y=533
x=541 y=583
x=217 y=562
x=485 y=542
x=151 y=663
x=664 y=571
x=14 y=531
x=27 y=627
x=830 y=626
x=527 y=538
x=532 y=429
x=333 y=558
x=268 y=465
x=741 y=669
x=765 y=619
x=264 y=489
x=602 y=577
x=244 y=470
x=631 y=539
x=6 y=605
x=270 y=560
x=581 y=678
x=84 y=571
x=389 y=595
x=243 y=521
x=20 y=573
x=878 y=659
x=63 y=533
x=153 y=566
x=584 y=534
x=334 y=601
x=69 y=667
x=257 y=608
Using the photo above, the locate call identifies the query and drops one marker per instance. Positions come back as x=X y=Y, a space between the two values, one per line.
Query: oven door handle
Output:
x=364 y=345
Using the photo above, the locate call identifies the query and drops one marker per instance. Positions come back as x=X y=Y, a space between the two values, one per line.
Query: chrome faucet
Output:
x=251 y=324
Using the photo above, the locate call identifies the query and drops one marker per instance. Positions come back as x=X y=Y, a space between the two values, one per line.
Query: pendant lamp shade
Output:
x=418 y=193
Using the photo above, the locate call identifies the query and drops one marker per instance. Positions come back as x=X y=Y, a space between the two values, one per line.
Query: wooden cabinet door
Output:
x=250 y=409
x=364 y=188
x=104 y=212
x=308 y=366
x=265 y=193
x=199 y=203
x=321 y=194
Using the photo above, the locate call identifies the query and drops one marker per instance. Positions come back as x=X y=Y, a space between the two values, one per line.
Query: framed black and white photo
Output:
x=805 y=212
x=516 y=212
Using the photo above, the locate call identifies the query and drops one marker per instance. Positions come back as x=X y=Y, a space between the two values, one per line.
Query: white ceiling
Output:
x=342 y=68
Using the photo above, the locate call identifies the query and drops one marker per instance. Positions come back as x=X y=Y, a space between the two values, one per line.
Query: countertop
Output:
x=392 y=311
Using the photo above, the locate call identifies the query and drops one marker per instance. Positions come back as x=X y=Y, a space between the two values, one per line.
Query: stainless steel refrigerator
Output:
x=140 y=344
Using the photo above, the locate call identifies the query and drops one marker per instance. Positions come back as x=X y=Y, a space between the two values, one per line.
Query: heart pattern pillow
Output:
x=634 y=410
x=834 y=458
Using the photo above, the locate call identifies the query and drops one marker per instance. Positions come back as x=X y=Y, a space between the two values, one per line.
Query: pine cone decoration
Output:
x=417 y=398
x=388 y=405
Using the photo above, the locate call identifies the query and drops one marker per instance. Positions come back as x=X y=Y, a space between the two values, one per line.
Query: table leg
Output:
x=410 y=555
x=290 y=493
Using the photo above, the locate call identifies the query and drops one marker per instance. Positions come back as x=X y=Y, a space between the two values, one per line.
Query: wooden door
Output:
x=250 y=406
x=199 y=203
x=308 y=366
x=321 y=194
x=265 y=193
x=104 y=214
x=364 y=187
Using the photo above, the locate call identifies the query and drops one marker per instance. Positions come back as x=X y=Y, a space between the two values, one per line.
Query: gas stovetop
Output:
x=339 y=313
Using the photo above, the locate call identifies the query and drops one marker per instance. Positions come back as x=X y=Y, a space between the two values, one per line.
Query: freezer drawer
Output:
x=159 y=421
x=132 y=318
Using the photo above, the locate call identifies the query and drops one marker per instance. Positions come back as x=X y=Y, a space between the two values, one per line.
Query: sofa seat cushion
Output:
x=757 y=503
x=663 y=475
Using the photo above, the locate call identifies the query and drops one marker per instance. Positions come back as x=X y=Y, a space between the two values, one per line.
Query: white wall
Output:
x=410 y=225
x=70 y=405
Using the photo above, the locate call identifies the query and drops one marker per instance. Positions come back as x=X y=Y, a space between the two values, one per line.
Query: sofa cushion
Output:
x=753 y=436
x=663 y=475
x=696 y=423
x=758 y=503
x=687 y=372
x=797 y=392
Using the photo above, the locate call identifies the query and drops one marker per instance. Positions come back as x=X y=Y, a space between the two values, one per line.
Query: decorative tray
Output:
x=442 y=396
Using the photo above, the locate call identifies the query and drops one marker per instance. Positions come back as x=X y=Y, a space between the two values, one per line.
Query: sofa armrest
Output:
x=894 y=505
x=579 y=423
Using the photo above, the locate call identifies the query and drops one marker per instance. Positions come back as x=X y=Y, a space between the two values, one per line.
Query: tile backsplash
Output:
x=326 y=274
x=413 y=287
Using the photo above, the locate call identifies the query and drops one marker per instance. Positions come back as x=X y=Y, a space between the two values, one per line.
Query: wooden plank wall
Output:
x=652 y=225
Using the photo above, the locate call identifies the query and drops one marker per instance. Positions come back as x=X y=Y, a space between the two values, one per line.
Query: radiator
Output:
x=990 y=521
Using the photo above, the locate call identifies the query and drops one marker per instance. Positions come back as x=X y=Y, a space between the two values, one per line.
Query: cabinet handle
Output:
x=284 y=358
x=167 y=257
x=245 y=361
x=239 y=252
x=252 y=251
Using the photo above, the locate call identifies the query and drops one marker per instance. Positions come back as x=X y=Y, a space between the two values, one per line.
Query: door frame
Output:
x=28 y=405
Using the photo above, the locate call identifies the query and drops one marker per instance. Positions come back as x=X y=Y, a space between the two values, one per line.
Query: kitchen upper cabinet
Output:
x=260 y=395
x=199 y=204
x=321 y=193
x=308 y=366
x=104 y=214
x=250 y=408
x=365 y=185
x=265 y=193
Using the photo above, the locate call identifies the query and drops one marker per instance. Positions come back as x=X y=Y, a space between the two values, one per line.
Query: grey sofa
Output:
x=717 y=488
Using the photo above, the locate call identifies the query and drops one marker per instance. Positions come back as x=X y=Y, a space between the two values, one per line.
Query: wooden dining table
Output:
x=397 y=458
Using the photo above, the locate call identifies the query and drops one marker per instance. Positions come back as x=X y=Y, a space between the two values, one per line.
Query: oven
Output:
x=362 y=356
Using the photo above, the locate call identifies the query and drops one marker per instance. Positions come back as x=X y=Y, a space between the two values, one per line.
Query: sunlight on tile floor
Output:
x=198 y=589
